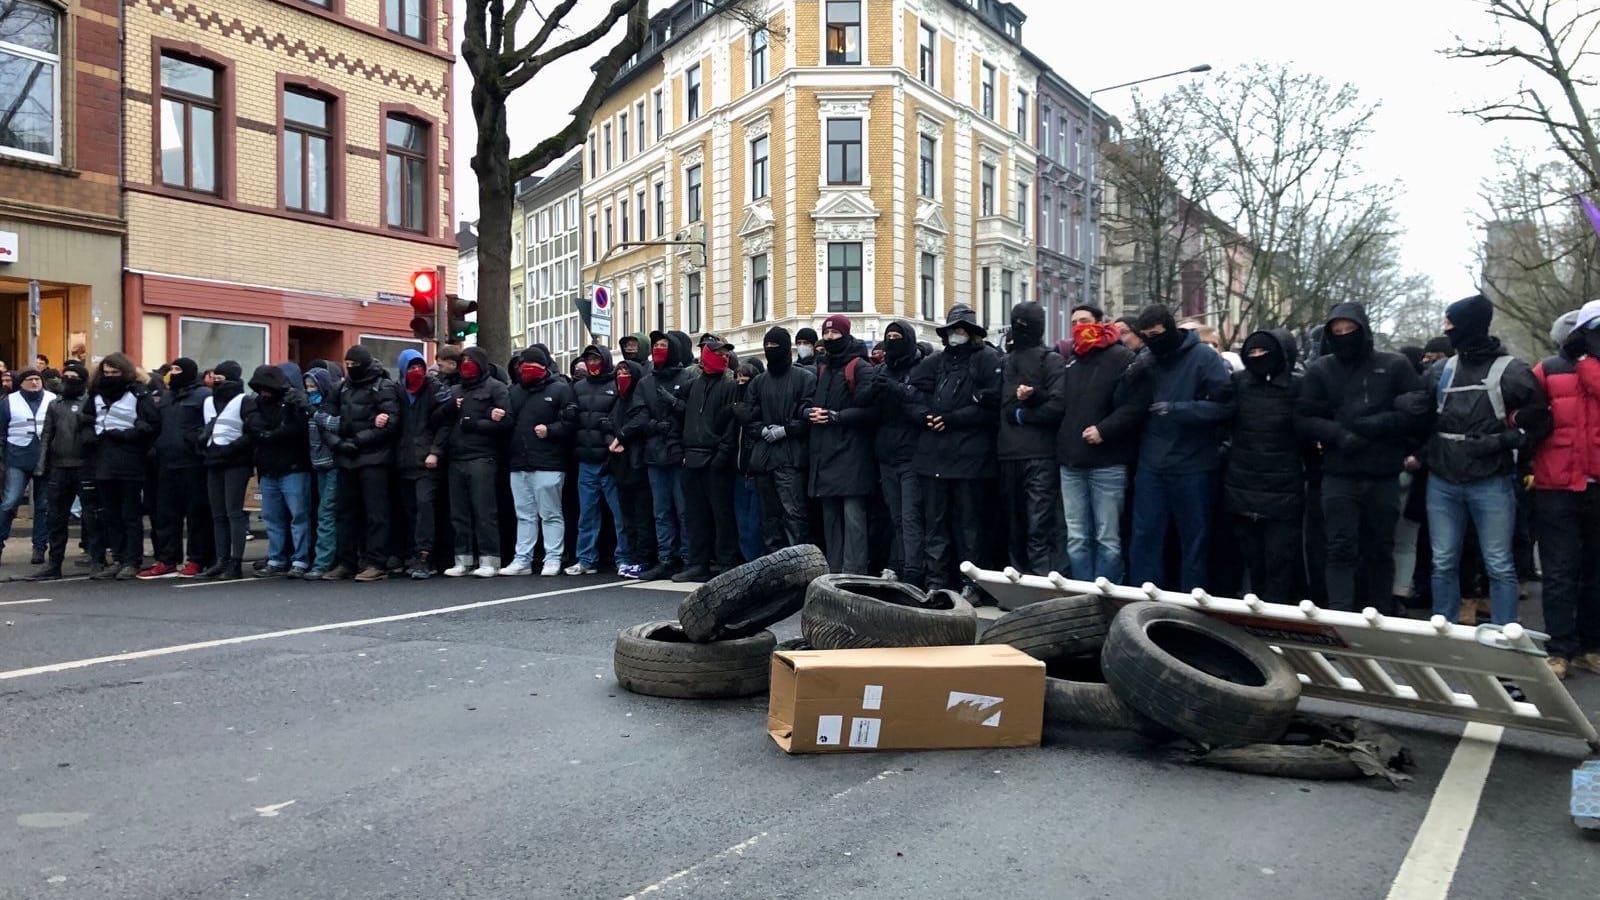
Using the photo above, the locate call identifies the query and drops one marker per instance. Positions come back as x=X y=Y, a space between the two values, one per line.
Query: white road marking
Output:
x=195 y=584
x=288 y=632
x=271 y=811
x=21 y=602
x=1430 y=864
x=682 y=587
x=737 y=849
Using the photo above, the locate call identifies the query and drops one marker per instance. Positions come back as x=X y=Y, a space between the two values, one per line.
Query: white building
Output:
x=551 y=268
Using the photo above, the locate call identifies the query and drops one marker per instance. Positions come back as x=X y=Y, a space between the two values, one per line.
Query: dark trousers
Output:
x=183 y=504
x=225 y=487
x=783 y=508
x=474 y=508
x=708 y=496
x=364 y=516
x=952 y=510
x=638 y=519
x=1569 y=548
x=1359 y=515
x=902 y=493
x=844 y=532
x=1270 y=550
x=62 y=486
x=1184 y=501
x=413 y=538
x=122 y=519
x=1031 y=489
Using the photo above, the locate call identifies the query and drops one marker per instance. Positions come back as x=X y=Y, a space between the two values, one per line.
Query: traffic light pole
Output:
x=441 y=311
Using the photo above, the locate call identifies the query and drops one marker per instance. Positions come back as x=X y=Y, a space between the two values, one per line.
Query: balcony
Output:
x=1002 y=230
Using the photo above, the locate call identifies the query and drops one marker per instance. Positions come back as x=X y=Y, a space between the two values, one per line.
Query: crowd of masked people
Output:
x=1135 y=450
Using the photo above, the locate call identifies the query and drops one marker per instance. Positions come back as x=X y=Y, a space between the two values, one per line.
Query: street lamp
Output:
x=1094 y=147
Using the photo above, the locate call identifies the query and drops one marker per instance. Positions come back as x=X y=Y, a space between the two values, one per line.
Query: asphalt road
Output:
x=488 y=753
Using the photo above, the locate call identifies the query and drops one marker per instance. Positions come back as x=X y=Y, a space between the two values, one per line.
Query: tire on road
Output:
x=748 y=598
x=657 y=659
x=1314 y=763
x=855 y=611
x=798 y=643
x=1206 y=680
x=1051 y=630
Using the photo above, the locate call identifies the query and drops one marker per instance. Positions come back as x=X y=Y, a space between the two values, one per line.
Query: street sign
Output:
x=391 y=297
x=600 y=312
x=8 y=247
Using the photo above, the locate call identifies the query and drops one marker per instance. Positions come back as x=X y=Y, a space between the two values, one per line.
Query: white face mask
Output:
x=803 y=351
x=956 y=338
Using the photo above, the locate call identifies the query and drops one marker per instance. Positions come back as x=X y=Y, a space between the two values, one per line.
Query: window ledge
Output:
x=39 y=165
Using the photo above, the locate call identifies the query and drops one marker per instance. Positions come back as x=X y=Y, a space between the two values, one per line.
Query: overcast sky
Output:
x=1387 y=48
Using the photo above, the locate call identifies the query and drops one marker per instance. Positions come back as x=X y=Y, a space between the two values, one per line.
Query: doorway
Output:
x=307 y=344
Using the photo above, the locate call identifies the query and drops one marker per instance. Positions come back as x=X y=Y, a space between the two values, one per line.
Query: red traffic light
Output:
x=422 y=283
x=424 y=303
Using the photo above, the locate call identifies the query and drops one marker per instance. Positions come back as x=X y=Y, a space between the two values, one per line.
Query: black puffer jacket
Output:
x=1467 y=442
x=594 y=399
x=962 y=385
x=779 y=396
x=843 y=463
x=631 y=417
x=476 y=434
x=889 y=392
x=1350 y=408
x=426 y=421
x=544 y=402
x=183 y=421
x=276 y=425
x=119 y=455
x=1266 y=470
x=709 y=431
x=366 y=393
x=1028 y=427
x=1097 y=394
x=664 y=390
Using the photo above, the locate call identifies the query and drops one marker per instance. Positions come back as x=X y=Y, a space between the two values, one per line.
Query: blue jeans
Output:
x=1490 y=504
x=747 y=512
x=1091 y=500
x=595 y=484
x=17 y=481
x=286 y=508
x=666 y=495
x=1162 y=499
x=537 y=496
x=327 y=519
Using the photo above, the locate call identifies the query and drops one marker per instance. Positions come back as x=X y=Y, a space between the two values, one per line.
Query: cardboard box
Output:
x=912 y=698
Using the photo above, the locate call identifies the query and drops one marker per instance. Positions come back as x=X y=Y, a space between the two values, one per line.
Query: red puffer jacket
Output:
x=1570 y=456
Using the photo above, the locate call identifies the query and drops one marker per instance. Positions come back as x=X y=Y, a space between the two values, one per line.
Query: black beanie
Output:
x=229 y=370
x=809 y=335
x=1440 y=344
x=359 y=355
x=1470 y=318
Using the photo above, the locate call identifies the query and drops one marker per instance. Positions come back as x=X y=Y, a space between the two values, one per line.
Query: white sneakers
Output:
x=581 y=569
x=463 y=566
x=517 y=567
x=551 y=569
x=488 y=567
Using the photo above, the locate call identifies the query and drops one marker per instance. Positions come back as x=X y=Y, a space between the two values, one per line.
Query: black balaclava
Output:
x=70 y=388
x=896 y=351
x=1414 y=355
x=1027 y=325
x=1167 y=343
x=1265 y=367
x=1346 y=348
x=188 y=374
x=779 y=357
x=358 y=362
x=1469 y=322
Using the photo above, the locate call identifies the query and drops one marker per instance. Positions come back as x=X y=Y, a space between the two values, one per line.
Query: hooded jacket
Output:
x=709 y=431
x=887 y=390
x=962 y=385
x=779 y=396
x=1096 y=392
x=476 y=434
x=366 y=393
x=1569 y=458
x=1466 y=440
x=1351 y=408
x=276 y=425
x=1194 y=385
x=323 y=419
x=426 y=418
x=1266 y=464
x=665 y=390
x=594 y=398
x=542 y=403
x=630 y=418
x=842 y=459
x=1028 y=427
x=182 y=414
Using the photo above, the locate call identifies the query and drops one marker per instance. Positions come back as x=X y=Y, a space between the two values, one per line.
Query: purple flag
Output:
x=1592 y=211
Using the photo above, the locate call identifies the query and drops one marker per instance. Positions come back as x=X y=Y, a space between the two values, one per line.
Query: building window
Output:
x=1044 y=131
x=594 y=239
x=692 y=89
x=1022 y=205
x=307 y=169
x=1006 y=277
x=661 y=209
x=594 y=168
x=640 y=198
x=844 y=151
x=245 y=342
x=1022 y=114
x=986 y=191
x=623 y=215
x=758 y=168
x=693 y=292
x=405 y=17
x=925 y=168
x=607 y=214
x=30 y=81
x=758 y=58
x=622 y=310
x=661 y=119
x=189 y=120
x=986 y=99
x=638 y=121
x=1044 y=222
x=844 y=32
x=925 y=48
x=692 y=178
x=405 y=172
x=926 y=282
x=605 y=144
x=622 y=135
x=661 y=305
x=985 y=300
x=758 y=288
x=844 y=277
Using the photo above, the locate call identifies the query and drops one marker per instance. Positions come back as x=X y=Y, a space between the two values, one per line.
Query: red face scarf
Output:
x=658 y=355
x=532 y=373
x=593 y=366
x=414 y=377
x=1090 y=336
x=470 y=370
x=713 y=362
x=624 y=382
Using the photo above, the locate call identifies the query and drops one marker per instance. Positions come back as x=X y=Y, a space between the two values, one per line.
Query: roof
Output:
x=563 y=179
x=466 y=236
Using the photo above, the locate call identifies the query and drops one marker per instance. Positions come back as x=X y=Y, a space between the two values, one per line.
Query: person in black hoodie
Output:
x=664 y=389
x=594 y=399
x=631 y=420
x=275 y=423
x=483 y=407
x=227 y=454
x=182 y=499
x=775 y=408
x=958 y=404
x=1096 y=446
x=1348 y=403
x=805 y=347
x=1032 y=404
x=889 y=392
x=537 y=459
x=1264 y=488
x=120 y=421
x=62 y=462
x=709 y=437
x=843 y=472
x=426 y=416
x=369 y=414
x=746 y=494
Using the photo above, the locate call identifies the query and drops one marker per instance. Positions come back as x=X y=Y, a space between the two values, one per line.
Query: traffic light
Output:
x=456 y=327
x=424 y=304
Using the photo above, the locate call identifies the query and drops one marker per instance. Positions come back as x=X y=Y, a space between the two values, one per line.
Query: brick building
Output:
x=60 y=212
x=287 y=165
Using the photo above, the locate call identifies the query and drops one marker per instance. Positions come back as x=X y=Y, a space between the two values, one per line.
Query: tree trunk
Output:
x=496 y=197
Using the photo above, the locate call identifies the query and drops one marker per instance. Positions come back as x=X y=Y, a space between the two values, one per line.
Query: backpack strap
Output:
x=1497 y=397
x=1490 y=385
x=1446 y=380
x=850 y=374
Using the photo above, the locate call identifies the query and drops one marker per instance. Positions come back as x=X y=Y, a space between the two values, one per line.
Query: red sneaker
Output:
x=159 y=570
x=190 y=569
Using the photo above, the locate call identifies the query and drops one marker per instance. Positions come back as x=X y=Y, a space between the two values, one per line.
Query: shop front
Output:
x=78 y=273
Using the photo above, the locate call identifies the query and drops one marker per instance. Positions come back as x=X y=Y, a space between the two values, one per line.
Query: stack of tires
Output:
x=853 y=612
x=720 y=646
